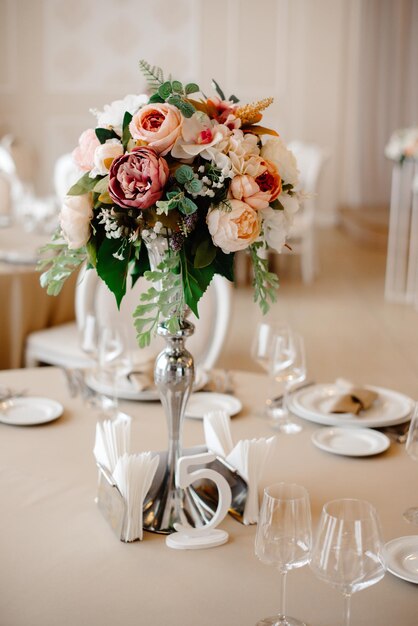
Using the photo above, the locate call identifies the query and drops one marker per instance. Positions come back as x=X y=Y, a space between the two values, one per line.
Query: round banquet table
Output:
x=62 y=564
x=25 y=305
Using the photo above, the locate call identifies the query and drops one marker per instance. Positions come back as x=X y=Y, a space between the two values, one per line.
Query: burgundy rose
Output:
x=137 y=178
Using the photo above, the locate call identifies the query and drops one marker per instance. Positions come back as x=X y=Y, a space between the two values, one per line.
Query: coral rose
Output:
x=235 y=229
x=83 y=155
x=269 y=180
x=75 y=216
x=158 y=125
x=246 y=189
x=137 y=178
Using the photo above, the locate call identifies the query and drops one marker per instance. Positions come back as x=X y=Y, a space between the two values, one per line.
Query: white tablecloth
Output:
x=62 y=565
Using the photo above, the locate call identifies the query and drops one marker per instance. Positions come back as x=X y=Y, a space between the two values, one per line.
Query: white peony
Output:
x=104 y=155
x=277 y=223
x=76 y=214
x=113 y=113
x=276 y=151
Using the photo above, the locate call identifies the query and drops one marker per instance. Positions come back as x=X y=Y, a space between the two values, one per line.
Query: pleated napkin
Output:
x=248 y=456
x=355 y=399
x=113 y=439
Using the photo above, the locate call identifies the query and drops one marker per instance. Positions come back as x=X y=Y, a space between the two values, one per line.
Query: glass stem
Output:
x=347 y=606
x=282 y=598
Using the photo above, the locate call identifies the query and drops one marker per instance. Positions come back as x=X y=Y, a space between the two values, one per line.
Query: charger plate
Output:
x=401 y=558
x=350 y=441
x=125 y=389
x=29 y=411
x=314 y=404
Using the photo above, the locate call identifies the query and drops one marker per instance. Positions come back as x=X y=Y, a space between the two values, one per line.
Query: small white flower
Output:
x=145 y=233
x=157 y=227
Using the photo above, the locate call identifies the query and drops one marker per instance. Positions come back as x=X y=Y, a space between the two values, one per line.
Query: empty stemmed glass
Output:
x=284 y=538
x=348 y=548
x=287 y=366
x=411 y=514
x=261 y=350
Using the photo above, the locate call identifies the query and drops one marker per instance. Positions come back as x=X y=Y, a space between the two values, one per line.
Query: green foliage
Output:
x=103 y=134
x=83 y=185
x=186 y=108
x=102 y=185
x=205 y=253
x=126 y=133
x=176 y=200
x=58 y=265
x=140 y=263
x=221 y=94
x=113 y=270
x=191 y=88
x=153 y=75
x=265 y=283
x=183 y=174
x=195 y=280
x=163 y=301
x=277 y=205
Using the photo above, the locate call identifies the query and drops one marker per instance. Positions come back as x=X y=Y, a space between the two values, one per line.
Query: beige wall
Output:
x=58 y=58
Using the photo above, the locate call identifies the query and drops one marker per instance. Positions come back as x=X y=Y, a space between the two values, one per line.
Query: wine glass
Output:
x=287 y=366
x=261 y=351
x=411 y=514
x=114 y=362
x=284 y=538
x=347 y=550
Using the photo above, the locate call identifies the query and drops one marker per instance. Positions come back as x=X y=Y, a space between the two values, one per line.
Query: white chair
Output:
x=61 y=345
x=310 y=159
x=66 y=173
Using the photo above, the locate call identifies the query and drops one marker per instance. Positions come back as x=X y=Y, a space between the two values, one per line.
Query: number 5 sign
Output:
x=208 y=536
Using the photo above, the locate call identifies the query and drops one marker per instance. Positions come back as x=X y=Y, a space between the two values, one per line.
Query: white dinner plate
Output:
x=29 y=411
x=314 y=403
x=201 y=403
x=126 y=390
x=401 y=557
x=351 y=441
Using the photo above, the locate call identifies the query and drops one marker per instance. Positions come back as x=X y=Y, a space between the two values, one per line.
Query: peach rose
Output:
x=83 y=155
x=235 y=229
x=246 y=189
x=158 y=125
x=269 y=180
x=76 y=214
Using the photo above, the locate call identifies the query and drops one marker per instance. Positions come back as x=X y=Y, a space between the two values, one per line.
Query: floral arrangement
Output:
x=179 y=165
x=403 y=144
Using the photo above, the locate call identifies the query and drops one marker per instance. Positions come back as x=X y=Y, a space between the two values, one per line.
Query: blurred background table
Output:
x=62 y=564
x=25 y=305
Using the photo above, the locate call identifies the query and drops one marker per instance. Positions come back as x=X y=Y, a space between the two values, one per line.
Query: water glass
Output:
x=284 y=538
x=411 y=514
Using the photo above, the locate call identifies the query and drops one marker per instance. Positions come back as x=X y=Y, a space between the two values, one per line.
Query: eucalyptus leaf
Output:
x=193 y=186
x=183 y=174
x=177 y=86
x=191 y=88
x=165 y=90
x=155 y=98
x=187 y=206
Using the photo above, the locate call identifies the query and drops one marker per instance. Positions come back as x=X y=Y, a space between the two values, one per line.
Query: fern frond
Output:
x=153 y=75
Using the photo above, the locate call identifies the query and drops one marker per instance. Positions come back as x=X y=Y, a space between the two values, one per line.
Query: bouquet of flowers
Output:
x=184 y=167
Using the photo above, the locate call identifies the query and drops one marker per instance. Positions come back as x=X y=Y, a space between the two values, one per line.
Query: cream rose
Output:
x=276 y=151
x=235 y=229
x=158 y=125
x=246 y=189
x=76 y=214
x=104 y=155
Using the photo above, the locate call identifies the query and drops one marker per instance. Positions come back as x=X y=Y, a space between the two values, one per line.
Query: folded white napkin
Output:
x=112 y=441
x=249 y=457
x=141 y=375
x=133 y=476
x=217 y=429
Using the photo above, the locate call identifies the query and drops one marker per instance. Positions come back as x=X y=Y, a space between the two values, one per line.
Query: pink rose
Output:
x=83 y=155
x=157 y=124
x=235 y=229
x=137 y=178
x=75 y=216
x=245 y=188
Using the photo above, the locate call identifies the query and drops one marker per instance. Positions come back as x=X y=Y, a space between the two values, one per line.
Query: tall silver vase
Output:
x=167 y=504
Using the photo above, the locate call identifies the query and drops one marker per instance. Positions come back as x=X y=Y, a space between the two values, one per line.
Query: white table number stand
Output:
x=186 y=537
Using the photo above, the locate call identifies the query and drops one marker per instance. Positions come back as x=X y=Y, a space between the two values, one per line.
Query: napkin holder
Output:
x=111 y=503
x=204 y=493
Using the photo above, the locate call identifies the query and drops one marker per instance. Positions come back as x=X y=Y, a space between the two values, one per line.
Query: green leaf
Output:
x=126 y=133
x=155 y=98
x=186 y=108
x=205 y=254
x=103 y=134
x=165 y=90
x=195 y=281
x=113 y=271
x=191 y=88
x=276 y=205
x=193 y=186
x=218 y=89
x=101 y=185
x=224 y=264
x=183 y=174
x=187 y=206
x=140 y=265
x=177 y=86
x=153 y=75
x=233 y=99
x=83 y=185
